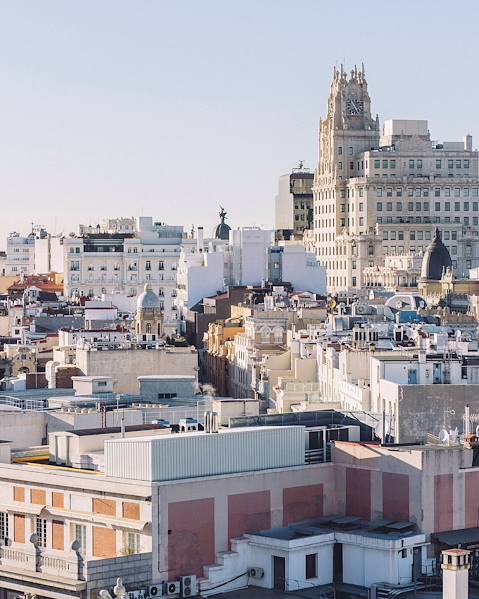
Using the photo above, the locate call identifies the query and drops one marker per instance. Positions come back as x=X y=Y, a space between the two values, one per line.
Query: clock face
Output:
x=354 y=107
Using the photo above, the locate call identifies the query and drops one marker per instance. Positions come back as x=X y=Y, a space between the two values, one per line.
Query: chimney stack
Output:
x=455 y=574
x=199 y=240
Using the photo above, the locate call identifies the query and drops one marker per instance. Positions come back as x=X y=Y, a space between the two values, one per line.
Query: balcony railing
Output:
x=48 y=564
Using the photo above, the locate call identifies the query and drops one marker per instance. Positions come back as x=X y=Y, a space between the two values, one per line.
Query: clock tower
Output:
x=344 y=240
x=349 y=128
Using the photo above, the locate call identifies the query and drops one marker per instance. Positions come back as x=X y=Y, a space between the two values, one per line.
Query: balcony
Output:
x=48 y=570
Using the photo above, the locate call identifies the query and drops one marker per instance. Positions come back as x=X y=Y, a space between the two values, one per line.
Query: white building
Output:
x=200 y=270
x=109 y=263
x=290 y=263
x=384 y=195
x=20 y=259
x=247 y=256
x=48 y=253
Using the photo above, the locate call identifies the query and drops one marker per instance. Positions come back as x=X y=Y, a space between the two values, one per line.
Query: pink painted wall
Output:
x=358 y=493
x=395 y=496
x=301 y=503
x=248 y=512
x=191 y=536
x=472 y=499
x=443 y=502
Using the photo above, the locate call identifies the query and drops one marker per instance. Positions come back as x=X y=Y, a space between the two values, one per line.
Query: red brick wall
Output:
x=395 y=496
x=443 y=502
x=358 y=493
x=248 y=512
x=302 y=503
x=191 y=536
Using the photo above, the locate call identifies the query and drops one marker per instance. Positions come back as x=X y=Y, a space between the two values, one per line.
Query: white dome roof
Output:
x=148 y=299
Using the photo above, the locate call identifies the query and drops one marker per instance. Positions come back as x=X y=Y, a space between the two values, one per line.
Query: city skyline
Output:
x=124 y=118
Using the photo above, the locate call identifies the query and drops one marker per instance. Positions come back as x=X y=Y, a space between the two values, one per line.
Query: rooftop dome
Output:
x=222 y=231
x=148 y=299
x=436 y=259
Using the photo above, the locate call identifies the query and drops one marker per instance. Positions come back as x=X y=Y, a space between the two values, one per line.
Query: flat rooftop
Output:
x=380 y=529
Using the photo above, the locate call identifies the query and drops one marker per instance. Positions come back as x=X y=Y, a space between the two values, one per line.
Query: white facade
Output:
x=302 y=269
x=105 y=263
x=200 y=271
x=20 y=258
x=384 y=195
x=247 y=256
x=48 y=254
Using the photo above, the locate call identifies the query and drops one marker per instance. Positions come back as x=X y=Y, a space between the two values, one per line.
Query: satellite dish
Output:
x=443 y=437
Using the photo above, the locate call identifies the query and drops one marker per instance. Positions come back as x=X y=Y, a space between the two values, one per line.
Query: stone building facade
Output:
x=384 y=195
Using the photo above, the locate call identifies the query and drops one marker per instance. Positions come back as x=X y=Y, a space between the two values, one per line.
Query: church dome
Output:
x=222 y=231
x=436 y=259
x=148 y=299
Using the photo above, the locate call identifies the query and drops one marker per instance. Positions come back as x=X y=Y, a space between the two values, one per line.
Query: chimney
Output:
x=455 y=574
x=199 y=240
x=468 y=142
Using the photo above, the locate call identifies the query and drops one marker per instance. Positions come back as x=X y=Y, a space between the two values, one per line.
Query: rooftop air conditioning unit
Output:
x=173 y=587
x=188 y=586
x=256 y=572
x=155 y=590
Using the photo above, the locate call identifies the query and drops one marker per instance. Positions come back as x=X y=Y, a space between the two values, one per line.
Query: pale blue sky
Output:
x=170 y=108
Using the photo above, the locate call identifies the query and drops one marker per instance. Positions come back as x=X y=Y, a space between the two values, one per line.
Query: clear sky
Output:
x=170 y=108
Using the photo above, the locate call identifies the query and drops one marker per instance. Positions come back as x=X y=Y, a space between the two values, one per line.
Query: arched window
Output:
x=265 y=334
x=278 y=335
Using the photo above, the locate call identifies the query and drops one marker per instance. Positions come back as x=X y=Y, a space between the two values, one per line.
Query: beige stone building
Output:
x=383 y=195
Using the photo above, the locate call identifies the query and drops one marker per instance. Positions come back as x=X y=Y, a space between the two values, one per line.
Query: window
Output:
x=340 y=165
x=410 y=206
x=466 y=206
x=466 y=163
x=351 y=165
x=79 y=535
x=419 y=163
x=457 y=206
x=411 y=164
x=361 y=207
x=385 y=235
x=161 y=265
x=399 y=193
x=361 y=221
x=3 y=526
x=457 y=192
x=447 y=206
x=311 y=560
x=148 y=265
x=41 y=530
x=393 y=235
x=399 y=206
x=458 y=163
x=465 y=192
x=447 y=192
x=385 y=164
x=400 y=235
x=437 y=206
x=412 y=235
x=389 y=206
x=418 y=206
x=450 y=164
x=437 y=192
x=426 y=206
x=438 y=164
x=392 y=163
x=410 y=193
x=379 y=207
x=132 y=543
x=377 y=164
x=340 y=151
